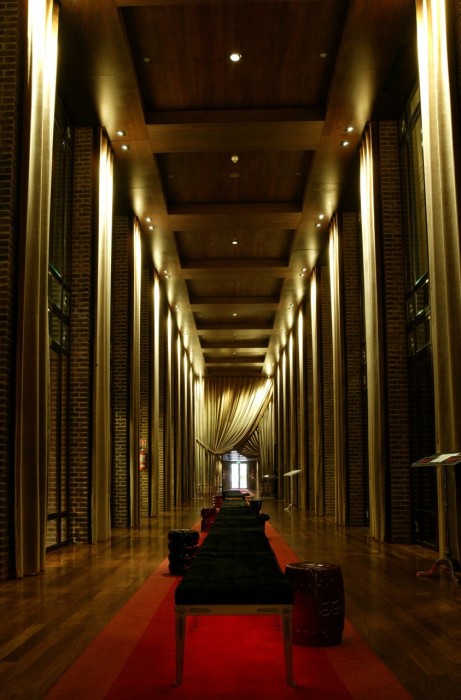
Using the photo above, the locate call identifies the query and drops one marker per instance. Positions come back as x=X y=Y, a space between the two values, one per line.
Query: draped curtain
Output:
x=228 y=411
x=373 y=341
x=317 y=410
x=101 y=457
x=338 y=375
x=135 y=374
x=32 y=374
x=439 y=148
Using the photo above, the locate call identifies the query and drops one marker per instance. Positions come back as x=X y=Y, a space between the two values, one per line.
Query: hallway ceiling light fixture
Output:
x=125 y=147
x=120 y=132
x=345 y=143
x=234 y=175
x=349 y=129
x=235 y=158
x=234 y=240
x=235 y=57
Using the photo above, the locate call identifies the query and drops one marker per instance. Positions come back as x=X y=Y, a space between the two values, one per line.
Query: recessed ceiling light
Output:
x=148 y=219
x=125 y=147
x=321 y=216
x=151 y=228
x=323 y=54
x=234 y=314
x=345 y=143
x=146 y=59
x=318 y=224
x=235 y=158
x=120 y=132
x=234 y=175
x=235 y=57
x=349 y=129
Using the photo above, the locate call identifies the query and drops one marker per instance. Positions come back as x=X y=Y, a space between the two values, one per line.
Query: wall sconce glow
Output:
x=235 y=57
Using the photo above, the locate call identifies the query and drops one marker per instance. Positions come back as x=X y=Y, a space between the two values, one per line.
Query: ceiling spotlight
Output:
x=318 y=224
x=234 y=241
x=323 y=54
x=321 y=216
x=235 y=159
x=234 y=175
x=235 y=57
x=349 y=129
x=146 y=59
x=234 y=314
x=345 y=143
x=120 y=132
x=125 y=147
x=151 y=228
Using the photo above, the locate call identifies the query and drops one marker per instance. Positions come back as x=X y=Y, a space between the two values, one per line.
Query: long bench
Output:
x=234 y=573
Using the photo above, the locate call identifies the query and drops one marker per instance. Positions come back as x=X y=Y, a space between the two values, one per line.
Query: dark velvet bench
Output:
x=234 y=573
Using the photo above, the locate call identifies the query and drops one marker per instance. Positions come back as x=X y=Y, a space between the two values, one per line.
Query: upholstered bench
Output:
x=234 y=573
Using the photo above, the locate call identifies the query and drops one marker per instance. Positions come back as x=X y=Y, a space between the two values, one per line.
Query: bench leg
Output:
x=288 y=644
x=180 y=642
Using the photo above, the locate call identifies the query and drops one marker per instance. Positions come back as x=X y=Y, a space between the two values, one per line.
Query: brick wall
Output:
x=309 y=405
x=351 y=293
x=395 y=335
x=327 y=373
x=120 y=369
x=144 y=394
x=13 y=27
x=81 y=375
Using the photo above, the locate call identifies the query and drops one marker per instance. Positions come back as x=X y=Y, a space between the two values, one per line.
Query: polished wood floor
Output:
x=412 y=623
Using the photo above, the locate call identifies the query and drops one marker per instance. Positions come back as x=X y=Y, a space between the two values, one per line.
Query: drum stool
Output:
x=182 y=548
x=318 y=611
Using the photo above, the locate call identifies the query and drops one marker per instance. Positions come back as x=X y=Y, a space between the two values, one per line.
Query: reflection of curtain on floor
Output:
x=32 y=359
x=228 y=411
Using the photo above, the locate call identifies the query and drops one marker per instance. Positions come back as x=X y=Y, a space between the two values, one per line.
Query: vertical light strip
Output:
x=135 y=376
x=375 y=398
x=32 y=365
x=338 y=375
x=302 y=459
x=100 y=497
x=443 y=227
x=155 y=399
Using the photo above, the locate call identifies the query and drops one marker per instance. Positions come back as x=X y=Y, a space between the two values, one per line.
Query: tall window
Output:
x=420 y=390
x=59 y=333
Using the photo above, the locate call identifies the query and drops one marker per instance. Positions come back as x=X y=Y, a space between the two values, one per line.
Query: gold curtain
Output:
x=32 y=373
x=443 y=231
x=135 y=374
x=373 y=341
x=338 y=375
x=317 y=412
x=227 y=412
x=101 y=457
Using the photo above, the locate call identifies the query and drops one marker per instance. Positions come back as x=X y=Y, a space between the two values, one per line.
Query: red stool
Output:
x=318 y=610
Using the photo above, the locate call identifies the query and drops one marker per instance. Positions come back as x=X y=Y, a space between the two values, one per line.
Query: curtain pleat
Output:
x=443 y=232
x=228 y=411
x=32 y=378
x=317 y=411
x=338 y=376
x=373 y=341
x=135 y=375
x=101 y=458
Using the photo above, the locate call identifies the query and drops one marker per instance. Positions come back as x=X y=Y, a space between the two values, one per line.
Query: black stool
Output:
x=182 y=547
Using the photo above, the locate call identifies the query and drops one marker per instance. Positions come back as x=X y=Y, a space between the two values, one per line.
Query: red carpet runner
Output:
x=134 y=656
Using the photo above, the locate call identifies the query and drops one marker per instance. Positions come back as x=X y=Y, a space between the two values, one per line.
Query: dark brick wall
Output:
x=81 y=375
x=327 y=371
x=120 y=369
x=398 y=476
x=144 y=394
x=351 y=292
x=310 y=404
x=13 y=28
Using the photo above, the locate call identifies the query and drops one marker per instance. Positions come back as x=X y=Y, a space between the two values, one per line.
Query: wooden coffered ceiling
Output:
x=248 y=151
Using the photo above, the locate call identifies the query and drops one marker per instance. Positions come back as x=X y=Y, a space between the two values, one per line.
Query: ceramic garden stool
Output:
x=318 y=612
x=182 y=548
